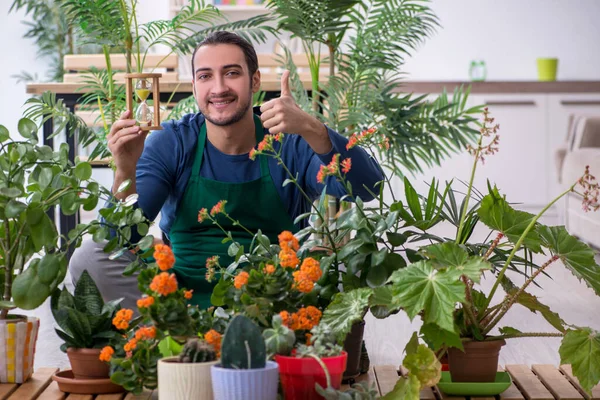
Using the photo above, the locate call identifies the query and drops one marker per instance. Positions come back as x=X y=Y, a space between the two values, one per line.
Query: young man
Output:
x=203 y=158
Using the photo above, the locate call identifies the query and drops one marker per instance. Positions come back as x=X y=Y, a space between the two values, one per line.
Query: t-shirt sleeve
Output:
x=364 y=174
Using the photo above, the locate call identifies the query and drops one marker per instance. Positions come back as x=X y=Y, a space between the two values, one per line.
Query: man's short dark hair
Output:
x=224 y=37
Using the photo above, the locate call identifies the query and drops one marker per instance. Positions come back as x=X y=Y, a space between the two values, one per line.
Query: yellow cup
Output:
x=547 y=68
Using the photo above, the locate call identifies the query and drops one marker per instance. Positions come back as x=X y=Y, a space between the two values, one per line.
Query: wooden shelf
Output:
x=241 y=7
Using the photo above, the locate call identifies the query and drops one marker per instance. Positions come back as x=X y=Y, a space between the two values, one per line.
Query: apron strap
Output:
x=260 y=133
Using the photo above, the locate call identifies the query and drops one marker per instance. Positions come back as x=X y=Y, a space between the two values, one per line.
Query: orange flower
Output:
x=131 y=345
x=106 y=354
x=288 y=240
x=164 y=284
x=308 y=317
x=352 y=141
x=289 y=320
x=202 y=215
x=303 y=283
x=312 y=269
x=211 y=263
x=164 y=257
x=288 y=258
x=308 y=336
x=145 y=302
x=334 y=164
x=218 y=208
x=121 y=320
x=322 y=174
x=241 y=279
x=188 y=294
x=213 y=338
x=269 y=269
x=253 y=154
x=346 y=165
x=145 y=333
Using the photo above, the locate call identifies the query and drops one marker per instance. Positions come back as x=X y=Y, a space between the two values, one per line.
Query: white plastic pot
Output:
x=247 y=384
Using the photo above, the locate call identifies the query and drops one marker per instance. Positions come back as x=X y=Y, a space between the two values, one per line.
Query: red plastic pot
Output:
x=299 y=375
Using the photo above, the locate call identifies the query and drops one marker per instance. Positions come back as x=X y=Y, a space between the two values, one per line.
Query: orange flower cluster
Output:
x=211 y=264
x=106 y=354
x=269 y=269
x=218 y=208
x=213 y=338
x=121 y=320
x=305 y=319
x=145 y=302
x=188 y=294
x=266 y=145
x=287 y=240
x=164 y=284
x=131 y=345
x=333 y=168
x=202 y=215
x=241 y=279
x=145 y=332
x=288 y=258
x=360 y=138
x=164 y=257
x=309 y=273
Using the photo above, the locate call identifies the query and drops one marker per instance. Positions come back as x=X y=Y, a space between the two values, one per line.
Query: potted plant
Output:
x=244 y=372
x=187 y=376
x=441 y=284
x=34 y=179
x=86 y=326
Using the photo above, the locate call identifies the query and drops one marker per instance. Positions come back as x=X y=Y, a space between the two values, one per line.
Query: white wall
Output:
x=509 y=35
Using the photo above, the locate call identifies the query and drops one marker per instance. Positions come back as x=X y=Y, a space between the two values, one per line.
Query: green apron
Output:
x=255 y=204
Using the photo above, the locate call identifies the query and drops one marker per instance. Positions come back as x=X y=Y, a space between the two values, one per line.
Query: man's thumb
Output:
x=285 y=84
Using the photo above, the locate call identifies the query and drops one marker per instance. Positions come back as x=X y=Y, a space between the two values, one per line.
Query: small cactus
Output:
x=197 y=351
x=243 y=346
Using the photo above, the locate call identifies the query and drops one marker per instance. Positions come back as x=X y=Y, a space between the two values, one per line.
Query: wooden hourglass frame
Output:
x=155 y=125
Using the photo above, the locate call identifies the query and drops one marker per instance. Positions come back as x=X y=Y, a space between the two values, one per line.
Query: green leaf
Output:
x=146 y=242
x=27 y=128
x=4 y=133
x=577 y=256
x=7 y=305
x=346 y=309
x=436 y=338
x=14 y=208
x=10 y=192
x=507 y=330
x=424 y=365
x=377 y=276
x=419 y=287
x=396 y=239
x=83 y=171
x=581 y=349
x=412 y=198
x=28 y=291
x=532 y=303
x=413 y=344
x=43 y=234
x=45 y=177
x=124 y=186
x=496 y=213
x=50 y=267
x=87 y=296
x=217 y=297
x=168 y=347
x=407 y=388
x=378 y=257
x=451 y=254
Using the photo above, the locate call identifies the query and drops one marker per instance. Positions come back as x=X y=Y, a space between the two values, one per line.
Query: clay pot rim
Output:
x=16 y=318
x=86 y=350
x=485 y=343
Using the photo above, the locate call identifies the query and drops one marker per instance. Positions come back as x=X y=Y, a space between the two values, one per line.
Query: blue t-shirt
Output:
x=165 y=167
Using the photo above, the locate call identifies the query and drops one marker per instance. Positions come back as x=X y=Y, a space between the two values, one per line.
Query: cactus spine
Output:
x=197 y=351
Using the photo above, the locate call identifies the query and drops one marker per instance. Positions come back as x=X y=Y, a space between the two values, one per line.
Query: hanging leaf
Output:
x=346 y=309
x=581 y=349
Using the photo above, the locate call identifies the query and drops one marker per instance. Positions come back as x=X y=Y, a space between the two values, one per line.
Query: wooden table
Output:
x=541 y=382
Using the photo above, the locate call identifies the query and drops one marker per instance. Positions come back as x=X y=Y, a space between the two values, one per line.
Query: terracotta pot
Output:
x=183 y=381
x=478 y=363
x=18 y=337
x=86 y=364
x=299 y=375
x=353 y=346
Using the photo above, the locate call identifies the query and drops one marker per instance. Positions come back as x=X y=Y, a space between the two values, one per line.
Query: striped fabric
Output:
x=17 y=349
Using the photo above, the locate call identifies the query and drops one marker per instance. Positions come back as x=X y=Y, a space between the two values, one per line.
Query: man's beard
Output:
x=236 y=117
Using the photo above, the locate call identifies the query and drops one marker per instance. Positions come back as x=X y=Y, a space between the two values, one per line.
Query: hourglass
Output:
x=147 y=117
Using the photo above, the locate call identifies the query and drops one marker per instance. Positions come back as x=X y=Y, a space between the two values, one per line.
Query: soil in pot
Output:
x=86 y=364
x=478 y=363
x=353 y=346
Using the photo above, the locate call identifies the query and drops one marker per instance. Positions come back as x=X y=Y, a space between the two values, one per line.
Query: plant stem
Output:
x=493 y=246
x=511 y=300
x=519 y=243
x=8 y=270
x=463 y=214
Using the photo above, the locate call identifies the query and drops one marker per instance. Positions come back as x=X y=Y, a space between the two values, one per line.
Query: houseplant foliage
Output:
x=113 y=24
x=441 y=284
x=33 y=180
x=366 y=43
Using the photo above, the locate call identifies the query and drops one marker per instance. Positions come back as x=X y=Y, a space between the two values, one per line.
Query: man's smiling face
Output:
x=223 y=86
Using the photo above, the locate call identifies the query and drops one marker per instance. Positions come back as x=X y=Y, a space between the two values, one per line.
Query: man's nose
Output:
x=220 y=85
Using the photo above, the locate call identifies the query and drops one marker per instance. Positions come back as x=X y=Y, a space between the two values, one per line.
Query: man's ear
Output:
x=256 y=81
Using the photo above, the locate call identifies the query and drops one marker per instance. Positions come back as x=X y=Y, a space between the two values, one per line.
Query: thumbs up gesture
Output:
x=283 y=114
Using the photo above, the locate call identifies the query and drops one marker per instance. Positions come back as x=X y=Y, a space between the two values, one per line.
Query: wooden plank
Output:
x=119 y=77
x=387 y=376
x=528 y=383
x=80 y=397
x=114 y=396
x=568 y=371
x=31 y=389
x=444 y=396
x=6 y=389
x=52 y=392
x=426 y=393
x=556 y=382
x=512 y=393
x=78 y=62
x=146 y=395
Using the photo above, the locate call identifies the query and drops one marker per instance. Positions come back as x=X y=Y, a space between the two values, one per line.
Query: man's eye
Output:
x=202 y=77
x=233 y=73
